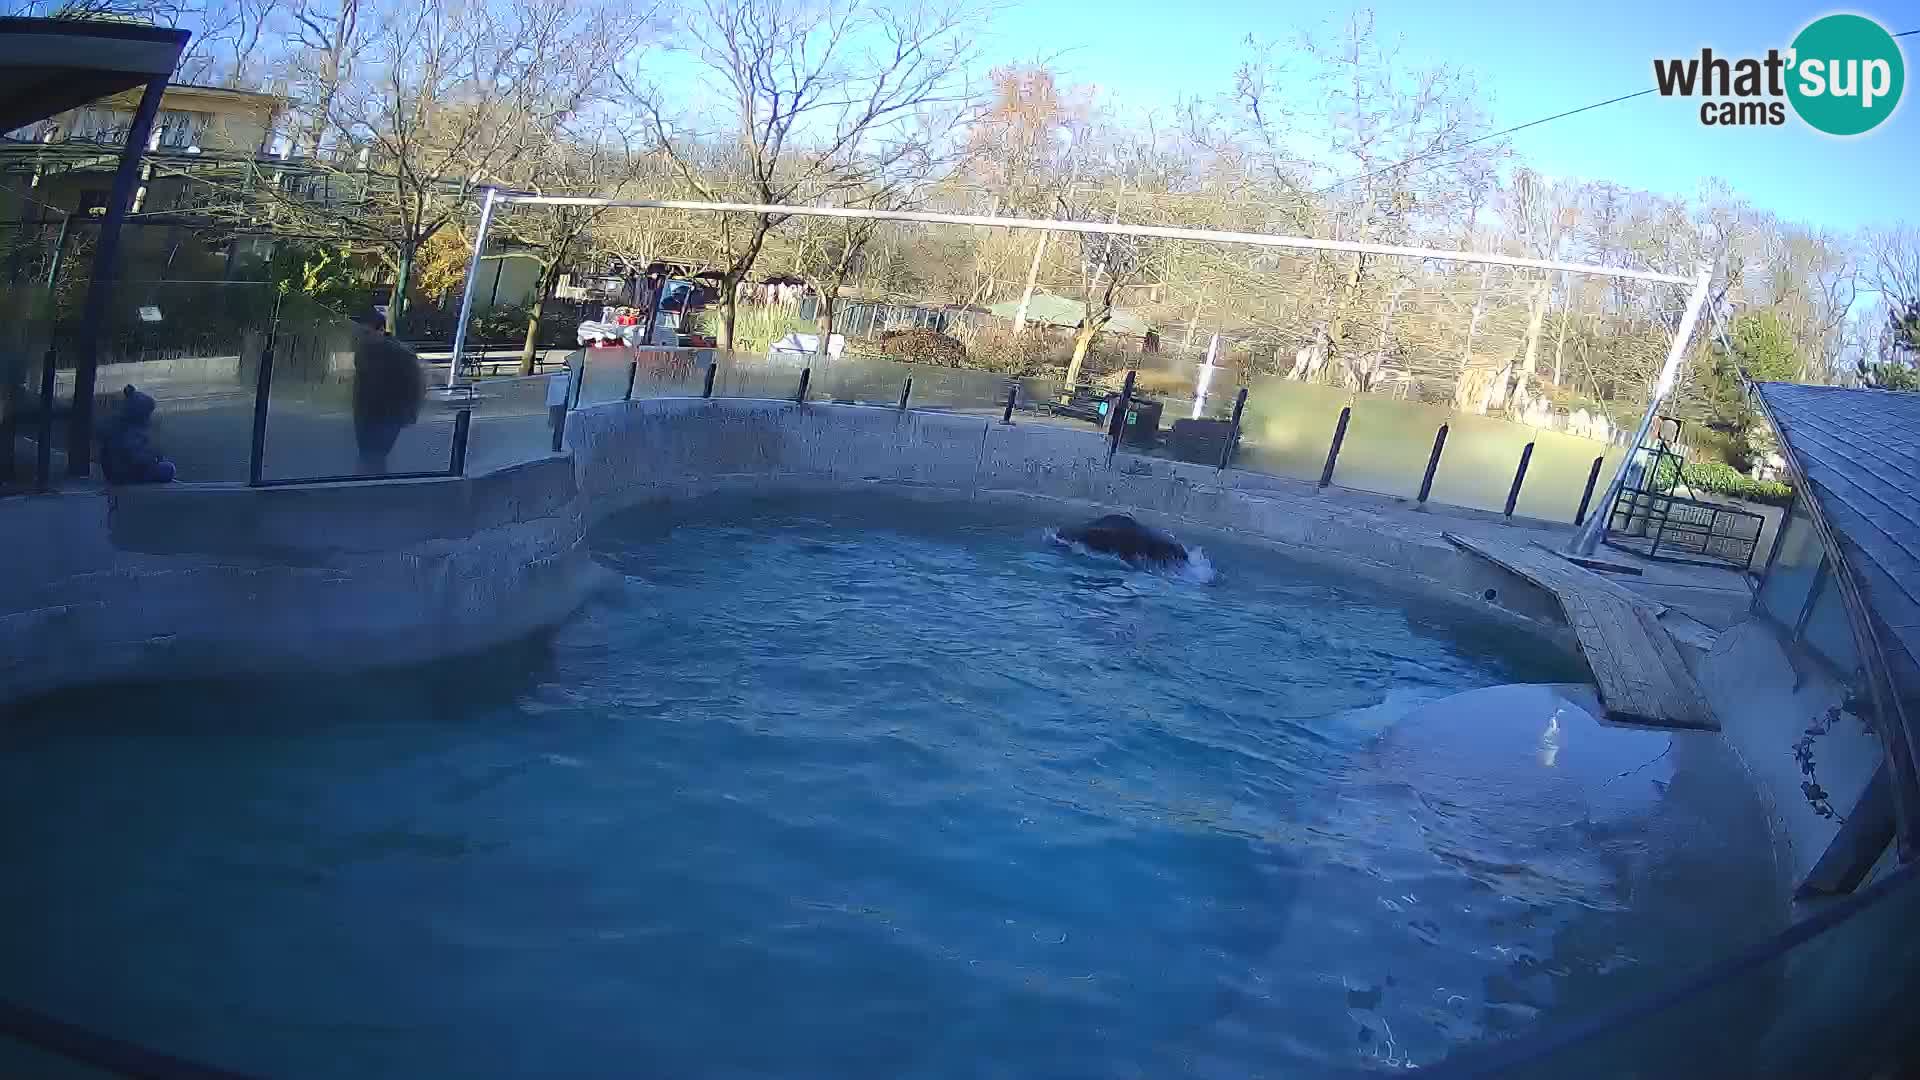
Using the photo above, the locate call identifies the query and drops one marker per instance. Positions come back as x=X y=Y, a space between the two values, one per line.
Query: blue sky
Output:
x=1533 y=60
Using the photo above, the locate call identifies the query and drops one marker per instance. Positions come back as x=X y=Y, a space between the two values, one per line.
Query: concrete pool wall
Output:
x=199 y=580
x=205 y=580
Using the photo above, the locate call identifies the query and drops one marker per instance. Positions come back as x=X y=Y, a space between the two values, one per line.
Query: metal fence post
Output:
x=906 y=391
x=800 y=396
x=43 y=454
x=1661 y=529
x=262 y=397
x=466 y=291
x=558 y=393
x=1233 y=429
x=1586 y=497
x=1519 y=478
x=1433 y=464
x=713 y=366
x=1013 y=388
x=1117 y=430
x=1333 y=449
x=462 y=423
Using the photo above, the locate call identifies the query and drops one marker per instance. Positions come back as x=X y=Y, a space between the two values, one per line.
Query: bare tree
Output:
x=413 y=106
x=807 y=89
x=598 y=160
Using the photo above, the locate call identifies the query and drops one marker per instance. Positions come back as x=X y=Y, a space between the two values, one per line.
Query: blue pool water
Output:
x=880 y=789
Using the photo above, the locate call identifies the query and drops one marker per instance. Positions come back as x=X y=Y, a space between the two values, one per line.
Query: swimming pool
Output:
x=874 y=788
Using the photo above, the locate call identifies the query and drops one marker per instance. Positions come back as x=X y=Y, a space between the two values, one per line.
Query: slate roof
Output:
x=1860 y=450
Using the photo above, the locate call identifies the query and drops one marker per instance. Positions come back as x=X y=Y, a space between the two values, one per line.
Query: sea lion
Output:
x=1118 y=534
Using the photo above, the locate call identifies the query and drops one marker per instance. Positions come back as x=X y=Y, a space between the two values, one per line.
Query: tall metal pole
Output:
x=106 y=273
x=473 y=278
x=1588 y=537
x=1103 y=228
x=1206 y=379
x=59 y=252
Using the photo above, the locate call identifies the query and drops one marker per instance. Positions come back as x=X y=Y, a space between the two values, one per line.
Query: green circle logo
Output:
x=1846 y=74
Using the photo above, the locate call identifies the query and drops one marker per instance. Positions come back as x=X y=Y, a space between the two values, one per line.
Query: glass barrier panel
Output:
x=193 y=347
x=512 y=421
x=1783 y=593
x=745 y=375
x=863 y=380
x=323 y=421
x=26 y=328
x=958 y=389
x=602 y=373
x=1388 y=444
x=1038 y=390
x=662 y=372
x=1828 y=632
x=1194 y=430
x=1287 y=427
x=1483 y=452
x=1558 y=474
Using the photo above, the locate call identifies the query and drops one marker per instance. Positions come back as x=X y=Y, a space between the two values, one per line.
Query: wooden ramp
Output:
x=1641 y=676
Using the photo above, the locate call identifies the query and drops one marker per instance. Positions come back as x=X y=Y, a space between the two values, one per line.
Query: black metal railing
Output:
x=1677 y=529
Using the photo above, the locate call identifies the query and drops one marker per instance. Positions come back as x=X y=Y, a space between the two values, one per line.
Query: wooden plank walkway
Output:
x=1641 y=676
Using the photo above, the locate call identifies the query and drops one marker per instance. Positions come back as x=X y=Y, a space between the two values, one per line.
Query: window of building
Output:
x=99 y=125
x=179 y=129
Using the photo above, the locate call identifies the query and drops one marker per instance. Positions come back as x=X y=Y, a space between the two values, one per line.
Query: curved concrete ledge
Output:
x=201 y=580
x=635 y=452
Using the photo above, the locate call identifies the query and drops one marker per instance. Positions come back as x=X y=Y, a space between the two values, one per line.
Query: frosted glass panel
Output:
x=1477 y=469
x=1287 y=427
x=1387 y=445
x=1828 y=632
x=1558 y=474
x=1784 y=592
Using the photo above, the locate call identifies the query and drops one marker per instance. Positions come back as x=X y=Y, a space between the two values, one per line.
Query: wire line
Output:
x=1484 y=138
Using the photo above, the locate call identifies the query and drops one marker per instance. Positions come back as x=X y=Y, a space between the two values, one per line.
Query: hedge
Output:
x=1722 y=479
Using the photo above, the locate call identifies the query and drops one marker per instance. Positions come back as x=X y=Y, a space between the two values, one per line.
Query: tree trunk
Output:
x=549 y=274
x=402 y=278
x=1473 y=324
x=1336 y=326
x=1082 y=341
x=729 y=311
x=1033 y=276
x=1536 y=320
x=823 y=314
x=1560 y=337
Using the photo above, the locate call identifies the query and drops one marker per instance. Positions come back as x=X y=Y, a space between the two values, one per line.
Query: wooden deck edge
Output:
x=1696 y=714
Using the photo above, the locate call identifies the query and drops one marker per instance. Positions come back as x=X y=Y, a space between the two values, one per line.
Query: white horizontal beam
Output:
x=1102 y=227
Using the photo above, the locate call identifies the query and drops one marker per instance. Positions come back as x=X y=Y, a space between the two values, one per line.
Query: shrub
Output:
x=1723 y=479
x=755 y=326
x=504 y=323
x=924 y=346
